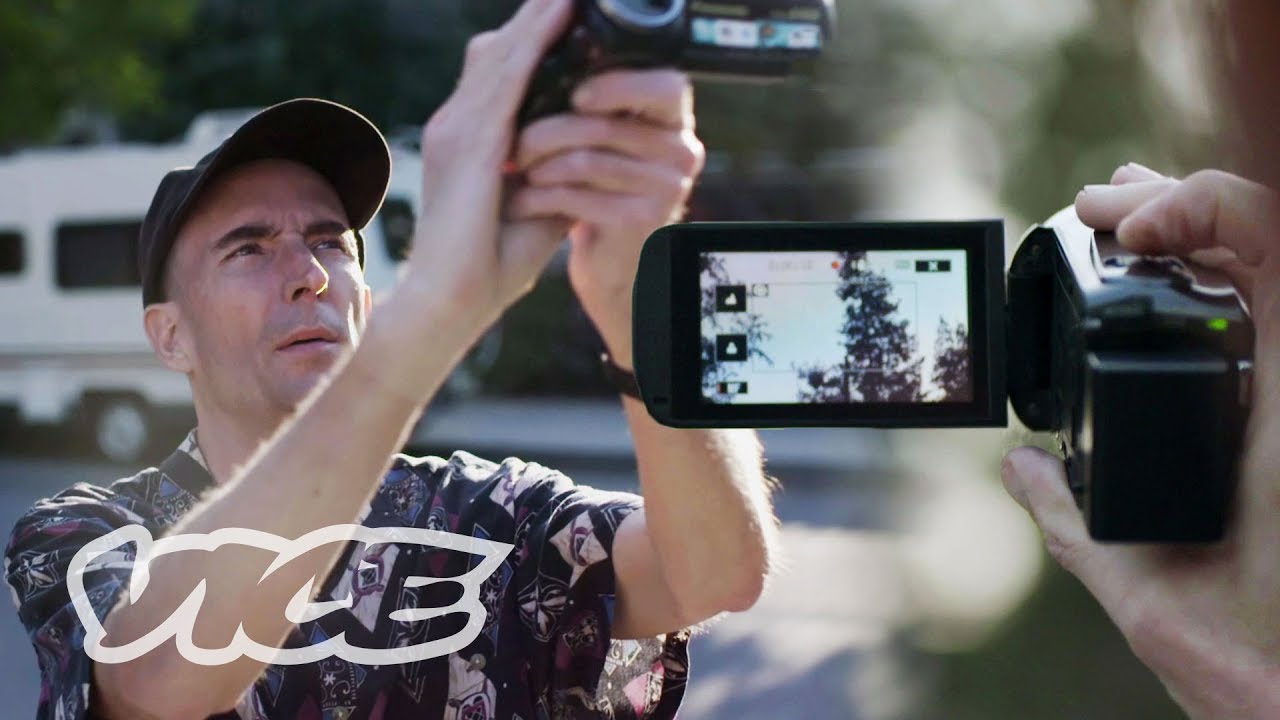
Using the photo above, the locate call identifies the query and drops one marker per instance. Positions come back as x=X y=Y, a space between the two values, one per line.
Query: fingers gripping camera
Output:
x=725 y=39
x=1141 y=365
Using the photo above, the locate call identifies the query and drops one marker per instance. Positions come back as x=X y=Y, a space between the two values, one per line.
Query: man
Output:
x=1206 y=620
x=303 y=392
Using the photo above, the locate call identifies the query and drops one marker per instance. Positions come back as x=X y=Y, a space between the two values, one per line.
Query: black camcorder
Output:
x=721 y=39
x=1141 y=365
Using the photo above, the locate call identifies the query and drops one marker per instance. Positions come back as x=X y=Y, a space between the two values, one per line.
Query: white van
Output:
x=72 y=344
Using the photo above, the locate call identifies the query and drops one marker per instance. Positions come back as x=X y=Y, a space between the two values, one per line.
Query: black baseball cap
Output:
x=332 y=139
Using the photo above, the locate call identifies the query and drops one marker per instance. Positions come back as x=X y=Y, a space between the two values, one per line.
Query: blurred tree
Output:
x=87 y=55
x=393 y=60
x=951 y=363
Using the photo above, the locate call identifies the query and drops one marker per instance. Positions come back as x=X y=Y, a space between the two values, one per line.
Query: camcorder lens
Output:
x=643 y=14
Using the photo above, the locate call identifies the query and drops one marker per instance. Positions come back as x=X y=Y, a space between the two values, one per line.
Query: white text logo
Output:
x=180 y=625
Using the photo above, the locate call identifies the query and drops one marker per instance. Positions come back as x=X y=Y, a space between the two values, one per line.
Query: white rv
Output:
x=72 y=346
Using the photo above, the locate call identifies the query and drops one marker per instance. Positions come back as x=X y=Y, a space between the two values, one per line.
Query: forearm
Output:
x=320 y=468
x=707 y=511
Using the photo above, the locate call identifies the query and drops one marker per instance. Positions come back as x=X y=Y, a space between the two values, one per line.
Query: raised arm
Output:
x=623 y=165
x=321 y=467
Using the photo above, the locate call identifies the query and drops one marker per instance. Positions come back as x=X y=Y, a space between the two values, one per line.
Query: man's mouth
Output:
x=309 y=338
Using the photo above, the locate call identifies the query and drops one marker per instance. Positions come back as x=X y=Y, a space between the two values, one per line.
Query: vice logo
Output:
x=300 y=609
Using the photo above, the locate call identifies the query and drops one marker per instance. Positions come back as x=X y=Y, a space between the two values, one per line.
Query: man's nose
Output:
x=306 y=275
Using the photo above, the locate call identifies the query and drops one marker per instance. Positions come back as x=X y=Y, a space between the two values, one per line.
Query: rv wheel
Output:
x=121 y=429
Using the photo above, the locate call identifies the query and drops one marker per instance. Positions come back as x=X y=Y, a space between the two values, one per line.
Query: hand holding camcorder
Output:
x=757 y=40
x=1140 y=365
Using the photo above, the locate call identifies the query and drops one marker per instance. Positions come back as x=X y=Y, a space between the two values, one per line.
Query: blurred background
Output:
x=912 y=587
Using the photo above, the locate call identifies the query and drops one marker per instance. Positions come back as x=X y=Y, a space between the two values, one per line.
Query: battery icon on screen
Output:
x=923 y=266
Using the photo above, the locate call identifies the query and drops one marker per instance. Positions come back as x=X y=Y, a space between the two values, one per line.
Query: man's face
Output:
x=266 y=288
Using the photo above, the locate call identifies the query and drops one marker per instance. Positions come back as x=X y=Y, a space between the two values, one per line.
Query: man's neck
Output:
x=228 y=443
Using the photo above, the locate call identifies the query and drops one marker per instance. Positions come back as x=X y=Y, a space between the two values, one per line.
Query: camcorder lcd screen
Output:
x=874 y=324
x=845 y=327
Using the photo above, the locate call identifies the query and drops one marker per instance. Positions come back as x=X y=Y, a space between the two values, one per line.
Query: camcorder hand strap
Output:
x=621 y=380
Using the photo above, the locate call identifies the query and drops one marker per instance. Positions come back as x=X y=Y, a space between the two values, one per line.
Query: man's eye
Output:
x=337 y=242
x=246 y=249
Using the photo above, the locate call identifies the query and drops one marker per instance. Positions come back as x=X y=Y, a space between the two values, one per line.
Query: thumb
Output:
x=1038 y=482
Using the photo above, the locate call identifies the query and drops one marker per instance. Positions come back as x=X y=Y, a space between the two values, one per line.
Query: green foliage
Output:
x=88 y=54
x=393 y=61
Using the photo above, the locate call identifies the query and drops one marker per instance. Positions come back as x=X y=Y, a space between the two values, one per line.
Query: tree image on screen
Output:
x=951 y=372
x=712 y=274
x=881 y=363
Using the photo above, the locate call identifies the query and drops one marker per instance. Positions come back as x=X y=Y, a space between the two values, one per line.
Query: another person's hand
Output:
x=620 y=166
x=1205 y=619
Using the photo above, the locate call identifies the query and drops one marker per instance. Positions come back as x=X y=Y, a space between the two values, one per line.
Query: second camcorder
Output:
x=1141 y=365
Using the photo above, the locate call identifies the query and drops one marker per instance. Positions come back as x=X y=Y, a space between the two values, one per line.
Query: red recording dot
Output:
x=835 y=264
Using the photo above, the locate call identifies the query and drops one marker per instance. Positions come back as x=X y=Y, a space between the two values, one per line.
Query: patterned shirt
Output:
x=545 y=650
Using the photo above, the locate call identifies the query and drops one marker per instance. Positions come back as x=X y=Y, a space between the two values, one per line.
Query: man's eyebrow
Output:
x=262 y=231
x=242 y=233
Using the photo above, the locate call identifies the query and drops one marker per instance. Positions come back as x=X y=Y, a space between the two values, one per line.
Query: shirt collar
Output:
x=191 y=446
x=187 y=466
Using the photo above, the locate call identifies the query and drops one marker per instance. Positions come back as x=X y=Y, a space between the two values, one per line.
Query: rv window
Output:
x=98 y=255
x=11 y=254
x=396 y=218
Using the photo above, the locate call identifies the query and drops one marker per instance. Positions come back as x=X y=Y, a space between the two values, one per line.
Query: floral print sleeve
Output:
x=39 y=551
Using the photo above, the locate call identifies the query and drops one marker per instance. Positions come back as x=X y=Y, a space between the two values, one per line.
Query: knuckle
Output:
x=1068 y=554
x=1196 y=208
x=691 y=154
x=1206 y=179
x=480 y=46
x=698 y=152
x=1200 y=192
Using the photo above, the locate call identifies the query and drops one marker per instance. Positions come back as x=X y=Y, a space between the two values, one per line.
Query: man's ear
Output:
x=161 y=322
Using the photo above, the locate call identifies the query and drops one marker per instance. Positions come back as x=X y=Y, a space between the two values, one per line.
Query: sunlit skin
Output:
x=264 y=260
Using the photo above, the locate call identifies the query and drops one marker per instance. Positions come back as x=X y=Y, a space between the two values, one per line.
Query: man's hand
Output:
x=1205 y=619
x=621 y=166
x=462 y=251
